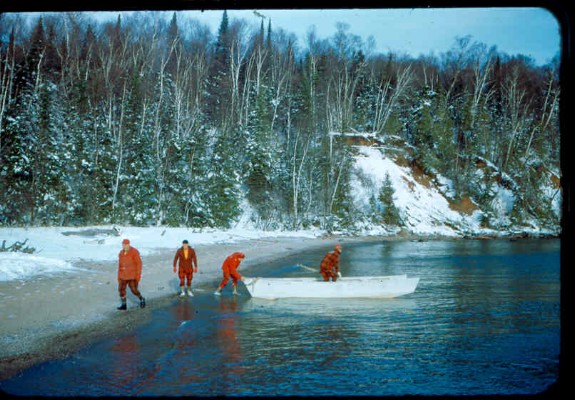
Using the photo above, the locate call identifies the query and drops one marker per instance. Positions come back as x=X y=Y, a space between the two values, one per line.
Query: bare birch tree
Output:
x=388 y=96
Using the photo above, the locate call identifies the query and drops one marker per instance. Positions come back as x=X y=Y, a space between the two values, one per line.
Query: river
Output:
x=484 y=320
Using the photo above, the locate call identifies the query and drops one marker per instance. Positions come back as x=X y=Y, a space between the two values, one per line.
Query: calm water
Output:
x=483 y=320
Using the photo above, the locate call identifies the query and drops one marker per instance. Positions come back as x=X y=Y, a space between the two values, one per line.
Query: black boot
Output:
x=123 y=306
x=142 y=302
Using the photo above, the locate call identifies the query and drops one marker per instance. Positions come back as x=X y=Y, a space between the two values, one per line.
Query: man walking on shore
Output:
x=129 y=273
x=187 y=264
x=329 y=267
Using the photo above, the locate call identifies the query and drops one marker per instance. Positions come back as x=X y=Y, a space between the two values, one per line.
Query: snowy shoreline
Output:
x=64 y=296
x=51 y=315
x=59 y=249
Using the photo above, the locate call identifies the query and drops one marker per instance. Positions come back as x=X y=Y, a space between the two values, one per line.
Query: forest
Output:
x=152 y=119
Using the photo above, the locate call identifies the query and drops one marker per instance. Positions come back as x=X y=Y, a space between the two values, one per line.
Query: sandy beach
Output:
x=47 y=317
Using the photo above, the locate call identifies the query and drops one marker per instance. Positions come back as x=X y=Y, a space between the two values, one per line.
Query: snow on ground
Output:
x=423 y=210
x=57 y=248
x=15 y=266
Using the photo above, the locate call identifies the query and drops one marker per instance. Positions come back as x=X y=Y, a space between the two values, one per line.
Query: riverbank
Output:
x=47 y=317
x=54 y=315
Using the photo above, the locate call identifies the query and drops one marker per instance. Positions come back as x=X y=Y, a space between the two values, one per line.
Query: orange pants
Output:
x=329 y=274
x=133 y=287
x=186 y=276
x=235 y=278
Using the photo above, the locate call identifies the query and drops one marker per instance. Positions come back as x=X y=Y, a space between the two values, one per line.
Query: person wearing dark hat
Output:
x=329 y=267
x=187 y=264
x=129 y=273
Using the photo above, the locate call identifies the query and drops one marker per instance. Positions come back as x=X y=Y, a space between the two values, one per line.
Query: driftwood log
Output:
x=17 y=247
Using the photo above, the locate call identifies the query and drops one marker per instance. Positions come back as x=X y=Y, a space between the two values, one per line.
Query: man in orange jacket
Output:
x=329 y=267
x=229 y=269
x=187 y=264
x=129 y=273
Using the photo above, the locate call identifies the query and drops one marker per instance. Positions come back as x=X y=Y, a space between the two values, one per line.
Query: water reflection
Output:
x=318 y=307
x=183 y=310
x=230 y=369
x=126 y=359
x=186 y=342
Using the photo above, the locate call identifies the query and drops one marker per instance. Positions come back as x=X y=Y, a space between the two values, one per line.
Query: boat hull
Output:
x=347 y=287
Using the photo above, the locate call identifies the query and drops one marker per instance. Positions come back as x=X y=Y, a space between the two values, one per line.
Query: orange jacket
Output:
x=186 y=264
x=232 y=263
x=129 y=265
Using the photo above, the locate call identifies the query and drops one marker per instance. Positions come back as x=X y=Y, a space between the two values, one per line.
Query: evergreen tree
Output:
x=260 y=155
x=16 y=170
x=139 y=196
x=219 y=84
x=390 y=214
x=19 y=147
x=173 y=45
x=52 y=155
x=222 y=184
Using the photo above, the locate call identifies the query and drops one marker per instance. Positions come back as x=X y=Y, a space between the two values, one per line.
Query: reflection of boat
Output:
x=349 y=287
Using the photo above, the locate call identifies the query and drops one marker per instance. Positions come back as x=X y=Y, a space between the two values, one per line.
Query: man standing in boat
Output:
x=187 y=264
x=329 y=267
x=129 y=273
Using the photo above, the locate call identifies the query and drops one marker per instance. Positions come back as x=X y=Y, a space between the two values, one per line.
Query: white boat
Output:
x=346 y=287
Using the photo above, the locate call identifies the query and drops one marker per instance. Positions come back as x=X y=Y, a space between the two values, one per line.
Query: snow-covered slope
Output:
x=427 y=208
x=423 y=210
